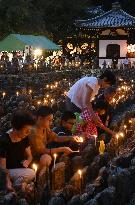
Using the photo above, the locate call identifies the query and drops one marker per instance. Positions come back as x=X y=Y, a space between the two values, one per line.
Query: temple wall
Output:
x=103 y=47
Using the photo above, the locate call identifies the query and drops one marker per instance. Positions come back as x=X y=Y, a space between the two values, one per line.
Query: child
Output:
x=89 y=128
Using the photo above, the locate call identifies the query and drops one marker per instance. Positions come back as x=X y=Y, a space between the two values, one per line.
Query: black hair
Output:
x=21 y=119
x=100 y=104
x=67 y=115
x=110 y=77
x=44 y=111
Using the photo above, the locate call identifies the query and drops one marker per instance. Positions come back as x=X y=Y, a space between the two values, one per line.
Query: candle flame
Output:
x=81 y=139
x=121 y=134
x=55 y=155
x=80 y=173
x=35 y=167
x=117 y=136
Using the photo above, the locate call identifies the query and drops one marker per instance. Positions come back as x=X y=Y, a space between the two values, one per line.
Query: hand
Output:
x=26 y=163
x=67 y=150
x=95 y=119
x=78 y=139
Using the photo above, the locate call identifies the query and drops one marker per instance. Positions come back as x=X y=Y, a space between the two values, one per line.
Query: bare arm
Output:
x=28 y=157
x=106 y=129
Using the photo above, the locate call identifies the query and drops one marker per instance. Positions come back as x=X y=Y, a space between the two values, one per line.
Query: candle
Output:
x=55 y=156
x=30 y=91
x=3 y=94
x=17 y=93
x=35 y=167
x=80 y=176
x=95 y=137
x=39 y=102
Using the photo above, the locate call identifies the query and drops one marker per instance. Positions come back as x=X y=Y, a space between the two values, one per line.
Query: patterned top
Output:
x=89 y=128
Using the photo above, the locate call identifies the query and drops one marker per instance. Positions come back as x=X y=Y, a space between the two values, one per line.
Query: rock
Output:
x=132 y=177
x=92 y=202
x=123 y=187
x=106 y=197
x=58 y=176
x=102 y=160
x=92 y=172
x=75 y=201
x=76 y=163
x=88 y=155
x=57 y=201
x=133 y=161
x=68 y=192
x=124 y=162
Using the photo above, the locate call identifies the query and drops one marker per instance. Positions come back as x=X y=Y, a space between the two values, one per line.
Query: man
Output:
x=84 y=90
x=41 y=135
x=15 y=152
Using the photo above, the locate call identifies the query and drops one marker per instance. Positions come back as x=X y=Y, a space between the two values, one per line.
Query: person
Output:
x=67 y=121
x=15 y=152
x=41 y=135
x=89 y=127
x=84 y=90
x=107 y=97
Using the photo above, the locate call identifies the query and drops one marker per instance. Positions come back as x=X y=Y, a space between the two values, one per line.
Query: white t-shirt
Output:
x=77 y=92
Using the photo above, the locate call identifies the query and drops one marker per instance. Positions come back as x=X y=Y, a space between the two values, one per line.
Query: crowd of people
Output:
x=28 y=104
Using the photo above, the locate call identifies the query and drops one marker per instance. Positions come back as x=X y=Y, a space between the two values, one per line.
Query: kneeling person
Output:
x=15 y=152
x=41 y=135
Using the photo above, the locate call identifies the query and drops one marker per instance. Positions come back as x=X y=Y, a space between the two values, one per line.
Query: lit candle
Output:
x=3 y=94
x=80 y=176
x=35 y=167
x=30 y=91
x=39 y=102
x=55 y=156
x=17 y=93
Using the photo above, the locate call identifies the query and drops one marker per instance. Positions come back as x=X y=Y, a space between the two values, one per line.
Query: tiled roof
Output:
x=113 y=18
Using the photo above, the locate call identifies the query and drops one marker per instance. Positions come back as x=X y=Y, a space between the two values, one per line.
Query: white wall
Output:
x=103 y=45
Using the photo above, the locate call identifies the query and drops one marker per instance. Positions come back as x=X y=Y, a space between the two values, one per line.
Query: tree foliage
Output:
x=53 y=17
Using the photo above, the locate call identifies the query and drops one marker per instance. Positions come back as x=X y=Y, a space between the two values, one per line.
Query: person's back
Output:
x=78 y=91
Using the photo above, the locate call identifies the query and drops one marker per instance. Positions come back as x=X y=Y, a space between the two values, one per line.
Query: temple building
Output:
x=110 y=36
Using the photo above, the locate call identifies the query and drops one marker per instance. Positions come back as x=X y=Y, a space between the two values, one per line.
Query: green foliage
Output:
x=55 y=17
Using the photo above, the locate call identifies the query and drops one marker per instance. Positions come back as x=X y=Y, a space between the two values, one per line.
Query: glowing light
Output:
x=37 y=52
x=17 y=93
x=35 y=167
x=80 y=173
x=3 y=94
